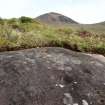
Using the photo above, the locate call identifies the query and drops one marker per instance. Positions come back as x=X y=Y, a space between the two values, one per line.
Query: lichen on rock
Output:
x=51 y=76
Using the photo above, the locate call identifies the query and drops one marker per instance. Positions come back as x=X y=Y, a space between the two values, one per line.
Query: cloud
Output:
x=11 y=8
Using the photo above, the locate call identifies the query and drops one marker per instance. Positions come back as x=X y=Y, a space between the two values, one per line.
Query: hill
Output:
x=55 y=19
x=25 y=32
x=102 y=23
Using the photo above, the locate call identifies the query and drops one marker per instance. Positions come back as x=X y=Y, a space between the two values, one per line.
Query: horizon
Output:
x=84 y=12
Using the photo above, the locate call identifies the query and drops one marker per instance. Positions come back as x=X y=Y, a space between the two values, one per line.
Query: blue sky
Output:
x=83 y=11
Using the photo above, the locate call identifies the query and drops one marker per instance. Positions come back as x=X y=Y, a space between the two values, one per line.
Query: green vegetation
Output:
x=27 y=33
x=24 y=19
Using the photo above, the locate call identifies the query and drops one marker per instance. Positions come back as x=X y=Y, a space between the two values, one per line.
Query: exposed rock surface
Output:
x=51 y=76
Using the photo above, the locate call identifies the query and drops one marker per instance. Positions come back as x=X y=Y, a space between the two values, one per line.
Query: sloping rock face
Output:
x=51 y=76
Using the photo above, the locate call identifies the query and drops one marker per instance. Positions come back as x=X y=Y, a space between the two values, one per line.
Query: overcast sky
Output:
x=83 y=11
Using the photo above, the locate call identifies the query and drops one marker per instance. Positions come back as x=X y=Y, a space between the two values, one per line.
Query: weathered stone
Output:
x=46 y=76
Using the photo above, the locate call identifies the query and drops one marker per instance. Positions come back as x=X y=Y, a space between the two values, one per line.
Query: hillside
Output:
x=55 y=19
x=101 y=23
x=25 y=32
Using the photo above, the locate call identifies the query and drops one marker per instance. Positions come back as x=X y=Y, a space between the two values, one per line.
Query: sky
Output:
x=82 y=11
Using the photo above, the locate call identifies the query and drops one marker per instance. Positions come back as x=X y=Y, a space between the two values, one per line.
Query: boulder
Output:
x=51 y=76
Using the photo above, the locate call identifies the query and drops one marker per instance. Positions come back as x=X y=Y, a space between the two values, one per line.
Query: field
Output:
x=25 y=33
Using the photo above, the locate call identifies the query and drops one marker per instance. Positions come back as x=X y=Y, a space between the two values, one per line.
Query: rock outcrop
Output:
x=51 y=76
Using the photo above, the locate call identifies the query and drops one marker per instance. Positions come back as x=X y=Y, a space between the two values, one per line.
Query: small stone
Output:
x=75 y=104
x=68 y=99
x=75 y=82
x=49 y=67
x=84 y=102
x=60 y=85
x=49 y=56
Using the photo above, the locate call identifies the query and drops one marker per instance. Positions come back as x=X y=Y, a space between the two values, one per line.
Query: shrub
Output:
x=12 y=21
x=31 y=40
x=1 y=21
x=5 y=31
x=66 y=31
x=24 y=19
x=84 y=33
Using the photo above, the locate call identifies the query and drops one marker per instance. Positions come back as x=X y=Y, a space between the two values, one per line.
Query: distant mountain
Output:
x=55 y=19
x=101 y=23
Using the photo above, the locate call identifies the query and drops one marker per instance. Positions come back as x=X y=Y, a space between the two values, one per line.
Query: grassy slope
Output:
x=16 y=34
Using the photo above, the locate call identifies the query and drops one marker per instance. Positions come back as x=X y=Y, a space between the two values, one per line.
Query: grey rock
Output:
x=67 y=99
x=42 y=76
